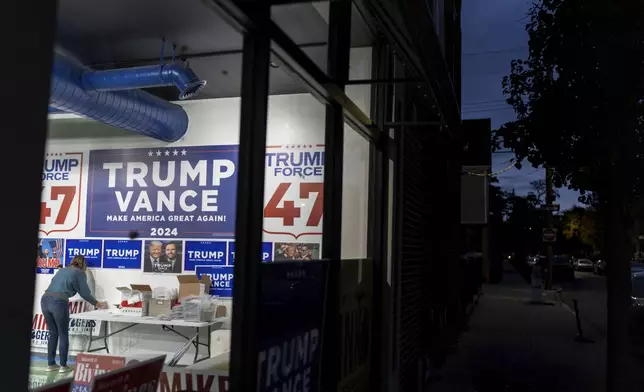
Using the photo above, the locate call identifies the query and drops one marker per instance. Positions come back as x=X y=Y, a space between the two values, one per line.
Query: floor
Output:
x=38 y=377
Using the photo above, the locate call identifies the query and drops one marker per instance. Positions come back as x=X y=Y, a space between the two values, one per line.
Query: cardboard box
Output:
x=134 y=294
x=189 y=285
x=159 y=307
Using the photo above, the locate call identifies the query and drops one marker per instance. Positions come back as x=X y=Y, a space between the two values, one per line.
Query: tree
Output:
x=579 y=103
x=580 y=224
x=540 y=189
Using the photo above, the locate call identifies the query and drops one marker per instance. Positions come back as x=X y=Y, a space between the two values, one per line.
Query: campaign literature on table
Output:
x=92 y=250
x=221 y=279
x=204 y=253
x=267 y=252
x=186 y=192
x=122 y=254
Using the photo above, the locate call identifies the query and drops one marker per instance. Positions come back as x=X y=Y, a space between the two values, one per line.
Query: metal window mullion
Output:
x=378 y=226
x=298 y=64
x=338 y=71
x=250 y=203
x=26 y=80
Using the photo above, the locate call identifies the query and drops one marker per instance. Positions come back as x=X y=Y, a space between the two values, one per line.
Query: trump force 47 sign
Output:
x=61 y=192
x=294 y=190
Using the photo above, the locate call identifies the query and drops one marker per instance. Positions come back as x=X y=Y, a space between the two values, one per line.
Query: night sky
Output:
x=493 y=35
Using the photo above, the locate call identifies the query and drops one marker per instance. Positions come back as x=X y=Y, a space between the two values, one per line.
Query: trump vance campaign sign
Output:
x=187 y=192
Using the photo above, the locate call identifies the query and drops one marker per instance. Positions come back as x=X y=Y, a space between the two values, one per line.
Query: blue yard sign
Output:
x=221 y=279
x=204 y=253
x=92 y=250
x=267 y=252
x=291 y=319
x=122 y=254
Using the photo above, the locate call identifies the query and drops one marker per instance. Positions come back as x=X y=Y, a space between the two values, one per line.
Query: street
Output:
x=590 y=292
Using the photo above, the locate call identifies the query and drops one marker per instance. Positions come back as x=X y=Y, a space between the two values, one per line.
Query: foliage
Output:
x=581 y=224
x=578 y=96
x=579 y=100
x=540 y=189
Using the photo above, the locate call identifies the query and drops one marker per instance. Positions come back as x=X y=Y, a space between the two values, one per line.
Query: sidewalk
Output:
x=512 y=346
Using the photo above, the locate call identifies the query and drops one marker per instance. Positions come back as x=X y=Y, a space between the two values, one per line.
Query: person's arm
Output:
x=80 y=281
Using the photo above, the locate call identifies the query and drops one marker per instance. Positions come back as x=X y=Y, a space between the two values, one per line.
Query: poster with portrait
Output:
x=163 y=257
x=296 y=251
x=50 y=255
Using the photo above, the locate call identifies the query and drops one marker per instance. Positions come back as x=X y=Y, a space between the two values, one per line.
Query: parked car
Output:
x=562 y=270
x=637 y=267
x=583 y=264
x=637 y=293
x=636 y=322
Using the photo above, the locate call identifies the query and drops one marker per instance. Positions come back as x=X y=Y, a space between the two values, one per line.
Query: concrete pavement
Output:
x=513 y=346
x=590 y=292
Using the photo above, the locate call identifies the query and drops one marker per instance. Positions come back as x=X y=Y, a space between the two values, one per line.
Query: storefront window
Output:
x=294 y=179
x=307 y=25
x=140 y=182
x=355 y=195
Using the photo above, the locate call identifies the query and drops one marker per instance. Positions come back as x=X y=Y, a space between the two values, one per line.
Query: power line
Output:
x=513 y=49
x=485 y=102
x=486 y=110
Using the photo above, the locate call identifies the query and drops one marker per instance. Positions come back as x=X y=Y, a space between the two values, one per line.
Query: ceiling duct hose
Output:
x=144 y=77
x=75 y=90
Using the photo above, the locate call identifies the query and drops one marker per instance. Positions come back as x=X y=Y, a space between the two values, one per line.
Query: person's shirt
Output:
x=69 y=281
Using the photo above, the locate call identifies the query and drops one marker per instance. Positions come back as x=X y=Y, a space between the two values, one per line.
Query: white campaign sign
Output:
x=40 y=331
x=293 y=198
x=61 y=192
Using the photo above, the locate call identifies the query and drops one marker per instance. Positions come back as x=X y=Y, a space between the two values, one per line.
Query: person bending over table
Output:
x=55 y=307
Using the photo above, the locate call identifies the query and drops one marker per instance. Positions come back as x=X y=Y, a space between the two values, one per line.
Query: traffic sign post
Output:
x=549 y=235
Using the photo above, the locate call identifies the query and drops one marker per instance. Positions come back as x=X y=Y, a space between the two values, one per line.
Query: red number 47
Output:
x=289 y=212
x=68 y=193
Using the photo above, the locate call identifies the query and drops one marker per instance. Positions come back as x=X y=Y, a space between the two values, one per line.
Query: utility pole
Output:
x=550 y=198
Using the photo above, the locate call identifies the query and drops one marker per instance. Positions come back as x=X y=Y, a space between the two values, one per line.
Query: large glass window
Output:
x=140 y=185
x=294 y=179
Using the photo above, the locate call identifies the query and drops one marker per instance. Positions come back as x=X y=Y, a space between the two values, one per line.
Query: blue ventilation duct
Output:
x=113 y=96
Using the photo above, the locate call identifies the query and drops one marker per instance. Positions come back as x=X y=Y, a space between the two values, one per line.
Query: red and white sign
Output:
x=294 y=184
x=549 y=235
x=40 y=331
x=178 y=380
x=88 y=366
x=60 y=205
x=139 y=377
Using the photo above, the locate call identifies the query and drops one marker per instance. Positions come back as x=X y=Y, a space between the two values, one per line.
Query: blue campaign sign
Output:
x=123 y=254
x=204 y=253
x=267 y=252
x=179 y=192
x=291 y=313
x=91 y=249
x=221 y=279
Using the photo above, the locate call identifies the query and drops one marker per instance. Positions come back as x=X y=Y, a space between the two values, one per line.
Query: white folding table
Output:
x=166 y=325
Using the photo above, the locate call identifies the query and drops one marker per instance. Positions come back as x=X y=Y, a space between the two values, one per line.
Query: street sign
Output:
x=549 y=235
x=554 y=207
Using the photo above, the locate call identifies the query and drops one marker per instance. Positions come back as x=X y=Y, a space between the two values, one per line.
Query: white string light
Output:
x=494 y=173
